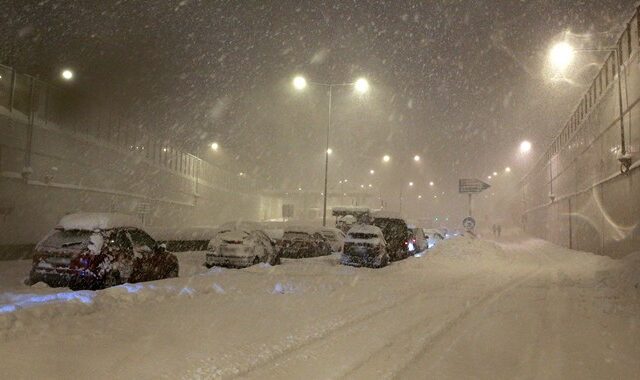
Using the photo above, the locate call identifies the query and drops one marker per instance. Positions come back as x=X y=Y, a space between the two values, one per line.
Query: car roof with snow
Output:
x=365 y=229
x=90 y=221
x=387 y=215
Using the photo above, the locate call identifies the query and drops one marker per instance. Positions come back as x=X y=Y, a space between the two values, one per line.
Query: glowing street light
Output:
x=431 y=183
x=386 y=158
x=416 y=158
x=410 y=183
x=67 y=74
x=495 y=174
x=560 y=56
x=215 y=146
x=361 y=86
x=329 y=151
x=372 y=172
x=299 y=83
x=525 y=147
x=489 y=177
x=507 y=170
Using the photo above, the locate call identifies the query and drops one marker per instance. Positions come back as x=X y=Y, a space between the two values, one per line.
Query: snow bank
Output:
x=90 y=221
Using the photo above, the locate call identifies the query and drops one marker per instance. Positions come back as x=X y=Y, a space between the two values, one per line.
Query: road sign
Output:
x=471 y=185
x=469 y=224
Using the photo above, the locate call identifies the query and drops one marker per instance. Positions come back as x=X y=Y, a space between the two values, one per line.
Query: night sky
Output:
x=459 y=82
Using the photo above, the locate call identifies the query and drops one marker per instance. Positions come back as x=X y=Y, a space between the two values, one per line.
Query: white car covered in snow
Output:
x=365 y=246
x=335 y=238
x=433 y=237
x=241 y=248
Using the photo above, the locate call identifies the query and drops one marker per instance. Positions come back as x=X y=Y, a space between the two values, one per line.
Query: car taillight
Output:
x=84 y=262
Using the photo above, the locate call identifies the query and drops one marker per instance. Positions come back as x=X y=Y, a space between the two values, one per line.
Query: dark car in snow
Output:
x=396 y=233
x=99 y=250
x=299 y=242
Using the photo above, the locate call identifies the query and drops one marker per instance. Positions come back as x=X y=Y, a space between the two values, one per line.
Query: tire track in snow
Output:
x=275 y=360
x=431 y=338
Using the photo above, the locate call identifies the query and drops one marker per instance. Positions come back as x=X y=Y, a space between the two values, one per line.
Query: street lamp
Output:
x=431 y=183
x=372 y=172
x=561 y=55
x=386 y=158
x=416 y=158
x=67 y=74
x=299 y=83
x=215 y=146
x=361 y=86
x=507 y=170
x=329 y=151
x=410 y=184
x=525 y=147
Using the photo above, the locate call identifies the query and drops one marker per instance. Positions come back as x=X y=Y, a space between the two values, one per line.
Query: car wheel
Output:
x=256 y=260
x=174 y=272
x=112 y=278
x=384 y=261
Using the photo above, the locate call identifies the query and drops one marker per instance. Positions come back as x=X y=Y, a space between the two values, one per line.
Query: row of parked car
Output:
x=97 y=250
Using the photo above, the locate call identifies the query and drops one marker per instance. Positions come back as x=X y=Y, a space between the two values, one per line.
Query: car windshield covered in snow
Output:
x=60 y=238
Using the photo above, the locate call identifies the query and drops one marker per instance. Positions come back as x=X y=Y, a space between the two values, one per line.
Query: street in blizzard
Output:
x=285 y=190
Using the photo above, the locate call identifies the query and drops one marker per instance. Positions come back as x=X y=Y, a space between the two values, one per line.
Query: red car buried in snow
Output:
x=98 y=250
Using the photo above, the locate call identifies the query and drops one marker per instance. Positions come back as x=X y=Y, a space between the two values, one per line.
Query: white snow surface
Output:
x=519 y=308
x=90 y=221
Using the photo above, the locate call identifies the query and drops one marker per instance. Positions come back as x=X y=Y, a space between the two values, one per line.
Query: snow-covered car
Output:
x=417 y=241
x=98 y=250
x=238 y=225
x=365 y=246
x=302 y=241
x=241 y=248
x=334 y=236
x=396 y=233
x=433 y=237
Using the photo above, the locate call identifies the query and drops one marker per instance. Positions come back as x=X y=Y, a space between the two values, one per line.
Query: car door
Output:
x=121 y=251
x=149 y=263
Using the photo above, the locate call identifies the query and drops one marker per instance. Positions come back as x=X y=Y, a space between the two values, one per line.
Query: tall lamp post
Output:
x=361 y=86
x=561 y=55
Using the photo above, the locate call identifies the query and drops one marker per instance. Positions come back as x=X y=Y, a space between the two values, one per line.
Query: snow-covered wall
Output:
x=575 y=195
x=102 y=167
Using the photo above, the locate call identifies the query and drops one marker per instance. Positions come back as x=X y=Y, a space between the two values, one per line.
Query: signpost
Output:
x=471 y=186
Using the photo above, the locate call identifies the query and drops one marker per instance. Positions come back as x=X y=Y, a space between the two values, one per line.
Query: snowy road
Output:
x=524 y=309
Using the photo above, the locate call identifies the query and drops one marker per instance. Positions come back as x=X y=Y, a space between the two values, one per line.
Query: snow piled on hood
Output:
x=90 y=221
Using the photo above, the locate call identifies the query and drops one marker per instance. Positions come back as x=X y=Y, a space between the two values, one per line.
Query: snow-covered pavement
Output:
x=466 y=309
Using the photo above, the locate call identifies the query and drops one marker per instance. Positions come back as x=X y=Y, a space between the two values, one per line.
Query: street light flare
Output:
x=361 y=86
x=67 y=74
x=329 y=151
x=410 y=183
x=525 y=147
x=386 y=158
x=561 y=56
x=507 y=170
x=372 y=172
x=299 y=83
x=215 y=146
x=416 y=158
x=431 y=183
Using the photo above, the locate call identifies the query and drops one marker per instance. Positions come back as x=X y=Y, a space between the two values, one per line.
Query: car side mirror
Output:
x=161 y=248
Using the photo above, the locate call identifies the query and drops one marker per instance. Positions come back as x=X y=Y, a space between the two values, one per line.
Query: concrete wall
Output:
x=103 y=167
x=595 y=207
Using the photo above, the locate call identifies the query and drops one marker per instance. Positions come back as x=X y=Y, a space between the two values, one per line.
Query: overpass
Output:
x=54 y=162
x=576 y=195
